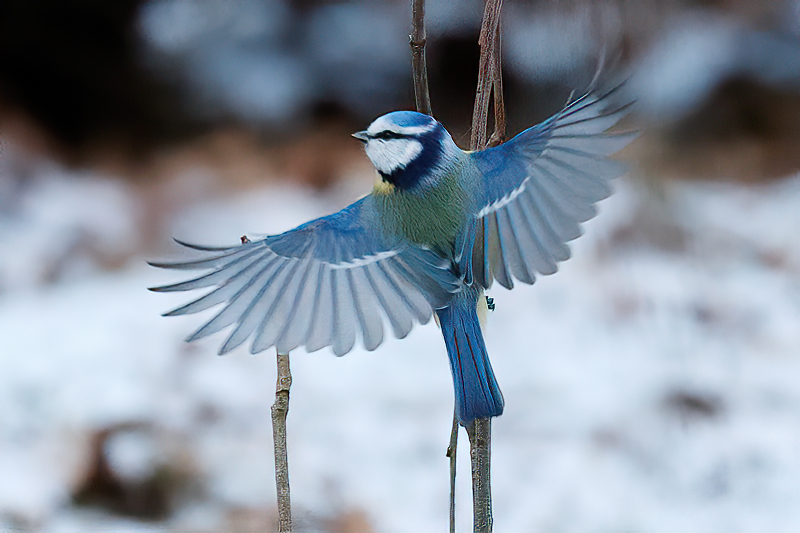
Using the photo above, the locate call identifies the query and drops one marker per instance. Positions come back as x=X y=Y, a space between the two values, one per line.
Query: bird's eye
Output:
x=386 y=134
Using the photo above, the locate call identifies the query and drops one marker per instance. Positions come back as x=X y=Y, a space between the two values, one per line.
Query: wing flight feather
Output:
x=325 y=283
x=537 y=188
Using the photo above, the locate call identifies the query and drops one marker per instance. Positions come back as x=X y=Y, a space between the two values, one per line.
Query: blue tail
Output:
x=477 y=392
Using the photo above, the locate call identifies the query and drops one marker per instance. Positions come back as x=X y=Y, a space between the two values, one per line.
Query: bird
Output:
x=439 y=227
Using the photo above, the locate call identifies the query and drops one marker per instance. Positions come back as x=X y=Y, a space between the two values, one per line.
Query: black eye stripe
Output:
x=386 y=134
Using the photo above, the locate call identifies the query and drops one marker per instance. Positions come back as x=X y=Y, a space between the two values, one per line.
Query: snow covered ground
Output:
x=652 y=384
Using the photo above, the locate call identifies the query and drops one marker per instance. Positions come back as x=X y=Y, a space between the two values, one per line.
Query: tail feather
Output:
x=476 y=390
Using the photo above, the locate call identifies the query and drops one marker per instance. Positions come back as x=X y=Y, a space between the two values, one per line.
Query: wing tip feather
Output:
x=202 y=247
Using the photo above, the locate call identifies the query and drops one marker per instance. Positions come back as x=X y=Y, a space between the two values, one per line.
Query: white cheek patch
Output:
x=392 y=154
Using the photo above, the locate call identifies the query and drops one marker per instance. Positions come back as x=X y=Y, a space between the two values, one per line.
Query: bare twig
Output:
x=279 y=411
x=417 y=42
x=489 y=78
x=480 y=447
x=499 y=134
x=452 y=448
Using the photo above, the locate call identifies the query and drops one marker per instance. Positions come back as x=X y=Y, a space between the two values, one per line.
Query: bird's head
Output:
x=408 y=149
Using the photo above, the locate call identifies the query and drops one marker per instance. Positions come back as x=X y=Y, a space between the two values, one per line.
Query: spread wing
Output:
x=317 y=285
x=538 y=187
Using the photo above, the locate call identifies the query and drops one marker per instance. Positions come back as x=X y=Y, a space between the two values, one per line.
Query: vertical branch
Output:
x=452 y=448
x=480 y=447
x=499 y=134
x=417 y=42
x=279 y=411
x=489 y=80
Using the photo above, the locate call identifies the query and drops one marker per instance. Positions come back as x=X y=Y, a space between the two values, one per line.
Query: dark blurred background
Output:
x=123 y=123
x=91 y=82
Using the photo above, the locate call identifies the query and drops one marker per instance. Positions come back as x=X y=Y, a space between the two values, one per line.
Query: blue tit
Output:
x=439 y=227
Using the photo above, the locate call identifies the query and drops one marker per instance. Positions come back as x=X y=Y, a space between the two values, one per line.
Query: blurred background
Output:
x=653 y=384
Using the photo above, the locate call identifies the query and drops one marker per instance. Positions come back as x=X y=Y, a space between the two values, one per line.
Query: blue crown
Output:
x=409 y=119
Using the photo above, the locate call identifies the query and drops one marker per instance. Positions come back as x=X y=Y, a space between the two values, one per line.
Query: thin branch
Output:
x=490 y=80
x=499 y=134
x=279 y=411
x=480 y=452
x=417 y=41
x=489 y=77
x=452 y=448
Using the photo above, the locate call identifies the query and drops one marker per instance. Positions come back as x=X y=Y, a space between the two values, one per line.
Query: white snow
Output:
x=586 y=359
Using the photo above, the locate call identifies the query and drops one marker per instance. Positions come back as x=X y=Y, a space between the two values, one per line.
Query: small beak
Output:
x=361 y=136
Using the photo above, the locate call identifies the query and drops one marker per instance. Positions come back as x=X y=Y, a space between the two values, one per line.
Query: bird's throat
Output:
x=383 y=188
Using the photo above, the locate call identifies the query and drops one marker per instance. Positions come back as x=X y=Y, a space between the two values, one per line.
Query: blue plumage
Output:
x=441 y=225
x=476 y=390
x=408 y=119
x=431 y=155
